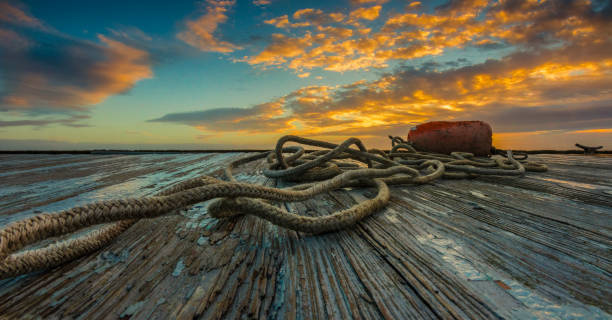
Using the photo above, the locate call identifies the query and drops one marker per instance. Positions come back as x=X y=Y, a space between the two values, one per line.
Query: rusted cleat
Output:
x=588 y=150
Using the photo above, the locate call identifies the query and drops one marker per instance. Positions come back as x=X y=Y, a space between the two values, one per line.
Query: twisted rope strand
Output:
x=323 y=168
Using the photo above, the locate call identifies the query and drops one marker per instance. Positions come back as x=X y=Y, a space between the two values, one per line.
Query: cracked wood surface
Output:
x=517 y=248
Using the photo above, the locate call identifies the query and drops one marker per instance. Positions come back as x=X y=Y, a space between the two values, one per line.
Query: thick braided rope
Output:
x=235 y=198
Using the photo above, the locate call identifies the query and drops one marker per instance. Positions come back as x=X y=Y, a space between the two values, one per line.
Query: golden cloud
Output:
x=123 y=67
x=281 y=48
x=283 y=22
x=370 y=13
x=565 y=89
x=279 y=22
x=411 y=35
x=199 y=33
x=606 y=130
x=360 y=2
x=102 y=71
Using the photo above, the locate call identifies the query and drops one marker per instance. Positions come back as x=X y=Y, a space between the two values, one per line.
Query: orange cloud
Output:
x=199 y=33
x=103 y=71
x=608 y=130
x=411 y=35
x=281 y=48
x=555 y=90
x=414 y=4
x=316 y=17
x=370 y=13
x=308 y=12
x=279 y=22
x=123 y=67
x=73 y=74
x=335 y=32
x=359 y=2
x=283 y=22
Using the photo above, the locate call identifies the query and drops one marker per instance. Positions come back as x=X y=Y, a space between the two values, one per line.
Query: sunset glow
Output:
x=240 y=74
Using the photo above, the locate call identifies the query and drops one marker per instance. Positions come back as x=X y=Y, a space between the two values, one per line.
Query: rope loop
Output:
x=333 y=167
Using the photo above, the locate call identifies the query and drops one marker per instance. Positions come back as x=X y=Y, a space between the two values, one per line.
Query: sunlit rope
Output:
x=319 y=172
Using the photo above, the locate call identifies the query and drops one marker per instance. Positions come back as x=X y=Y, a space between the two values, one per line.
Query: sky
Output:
x=240 y=74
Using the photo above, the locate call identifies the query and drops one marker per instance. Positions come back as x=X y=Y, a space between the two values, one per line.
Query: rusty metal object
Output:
x=450 y=136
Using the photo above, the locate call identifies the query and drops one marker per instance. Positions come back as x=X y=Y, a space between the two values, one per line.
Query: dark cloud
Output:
x=430 y=65
x=491 y=45
x=74 y=121
x=259 y=118
x=211 y=115
x=44 y=69
x=554 y=117
x=65 y=73
x=604 y=8
x=394 y=129
x=544 y=22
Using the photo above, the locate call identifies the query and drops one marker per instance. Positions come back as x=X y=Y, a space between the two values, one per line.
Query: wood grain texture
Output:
x=516 y=248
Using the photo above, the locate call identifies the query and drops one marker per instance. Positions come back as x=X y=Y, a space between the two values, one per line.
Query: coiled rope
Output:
x=321 y=170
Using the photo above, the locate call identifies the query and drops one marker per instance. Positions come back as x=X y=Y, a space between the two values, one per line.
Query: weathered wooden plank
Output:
x=549 y=253
x=537 y=246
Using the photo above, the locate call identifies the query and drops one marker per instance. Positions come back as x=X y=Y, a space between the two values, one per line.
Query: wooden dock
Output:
x=517 y=248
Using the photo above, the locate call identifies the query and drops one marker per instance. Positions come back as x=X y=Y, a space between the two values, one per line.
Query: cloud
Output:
x=70 y=121
x=607 y=130
x=555 y=76
x=414 y=4
x=552 y=117
x=49 y=78
x=44 y=69
x=414 y=34
x=129 y=34
x=370 y=13
x=12 y=41
x=565 y=88
x=545 y=22
x=64 y=144
x=11 y=14
x=261 y=118
x=283 y=22
x=281 y=48
x=279 y=22
x=317 y=16
x=68 y=73
x=199 y=33
x=261 y=2
x=360 y=2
